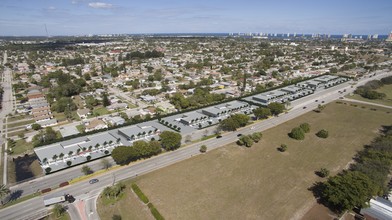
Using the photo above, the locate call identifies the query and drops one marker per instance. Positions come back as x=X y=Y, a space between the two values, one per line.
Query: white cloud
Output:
x=51 y=8
x=100 y=5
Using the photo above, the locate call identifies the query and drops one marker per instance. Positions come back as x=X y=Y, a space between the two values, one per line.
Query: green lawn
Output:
x=16 y=133
x=22 y=146
x=21 y=123
x=100 y=111
x=59 y=116
x=19 y=117
x=235 y=182
x=386 y=89
x=80 y=128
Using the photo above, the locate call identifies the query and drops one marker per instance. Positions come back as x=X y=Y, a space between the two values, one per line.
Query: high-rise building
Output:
x=389 y=39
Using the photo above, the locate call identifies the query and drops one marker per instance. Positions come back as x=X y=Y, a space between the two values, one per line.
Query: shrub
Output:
x=88 y=158
x=46 y=190
x=283 y=148
x=48 y=169
x=256 y=137
x=64 y=184
x=116 y=217
x=245 y=140
x=203 y=148
x=139 y=193
x=305 y=127
x=69 y=163
x=322 y=133
x=323 y=172
x=297 y=134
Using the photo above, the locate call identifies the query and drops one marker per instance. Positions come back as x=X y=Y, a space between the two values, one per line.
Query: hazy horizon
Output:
x=84 y=17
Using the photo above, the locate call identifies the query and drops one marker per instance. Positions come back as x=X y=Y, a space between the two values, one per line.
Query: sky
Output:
x=83 y=17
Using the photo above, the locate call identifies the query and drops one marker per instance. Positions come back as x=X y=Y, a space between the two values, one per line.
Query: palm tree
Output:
x=105 y=143
x=3 y=191
x=70 y=153
x=97 y=145
x=54 y=157
x=61 y=156
x=90 y=147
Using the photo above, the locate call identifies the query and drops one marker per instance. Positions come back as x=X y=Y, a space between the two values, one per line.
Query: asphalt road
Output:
x=83 y=191
x=7 y=107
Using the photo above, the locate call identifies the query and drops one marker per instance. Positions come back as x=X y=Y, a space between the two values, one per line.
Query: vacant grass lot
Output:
x=100 y=111
x=260 y=182
x=21 y=123
x=22 y=146
x=386 y=89
x=129 y=207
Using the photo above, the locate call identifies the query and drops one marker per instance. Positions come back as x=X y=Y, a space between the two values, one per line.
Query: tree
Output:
x=58 y=210
x=116 y=217
x=4 y=191
x=245 y=140
x=262 y=112
x=170 y=140
x=320 y=108
x=348 y=190
x=86 y=170
x=283 y=148
x=203 y=148
x=105 y=164
x=234 y=122
x=105 y=100
x=297 y=134
x=305 y=127
x=276 y=108
x=120 y=155
x=323 y=172
x=322 y=133
x=47 y=170
x=36 y=126
x=256 y=137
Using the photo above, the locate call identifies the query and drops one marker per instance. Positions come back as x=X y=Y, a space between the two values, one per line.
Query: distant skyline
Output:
x=83 y=17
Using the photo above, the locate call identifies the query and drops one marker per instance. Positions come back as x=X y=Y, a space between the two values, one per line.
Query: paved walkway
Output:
x=368 y=103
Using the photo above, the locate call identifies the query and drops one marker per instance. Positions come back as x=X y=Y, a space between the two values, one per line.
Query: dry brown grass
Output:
x=262 y=183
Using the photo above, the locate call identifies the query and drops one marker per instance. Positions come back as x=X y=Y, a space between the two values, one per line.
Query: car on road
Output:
x=92 y=181
x=322 y=101
x=304 y=107
x=239 y=135
x=316 y=100
x=219 y=136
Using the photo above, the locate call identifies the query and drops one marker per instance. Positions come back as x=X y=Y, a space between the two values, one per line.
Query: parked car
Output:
x=219 y=136
x=239 y=135
x=92 y=181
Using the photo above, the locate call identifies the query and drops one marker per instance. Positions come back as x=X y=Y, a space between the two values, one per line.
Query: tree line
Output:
x=145 y=55
x=369 y=89
x=141 y=149
x=366 y=178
